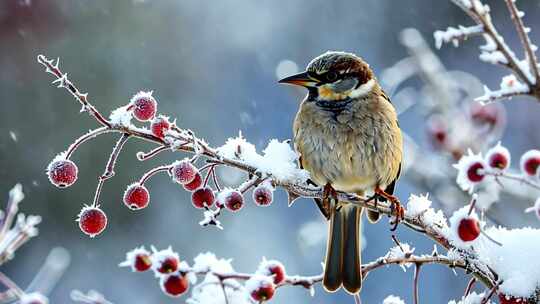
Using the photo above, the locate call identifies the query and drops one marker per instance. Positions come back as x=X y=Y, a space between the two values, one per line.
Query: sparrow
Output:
x=347 y=134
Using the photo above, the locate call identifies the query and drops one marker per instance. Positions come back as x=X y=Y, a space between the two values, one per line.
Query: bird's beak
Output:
x=302 y=79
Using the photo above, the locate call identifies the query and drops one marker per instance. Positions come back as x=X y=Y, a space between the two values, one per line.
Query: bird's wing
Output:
x=318 y=201
x=390 y=188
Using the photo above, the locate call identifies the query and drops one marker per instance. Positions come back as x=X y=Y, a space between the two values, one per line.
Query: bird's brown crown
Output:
x=331 y=66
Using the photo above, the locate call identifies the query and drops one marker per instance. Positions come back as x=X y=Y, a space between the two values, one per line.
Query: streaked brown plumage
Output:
x=347 y=134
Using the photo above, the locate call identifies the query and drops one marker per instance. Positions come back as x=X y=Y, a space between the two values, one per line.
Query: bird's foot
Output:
x=329 y=194
x=395 y=206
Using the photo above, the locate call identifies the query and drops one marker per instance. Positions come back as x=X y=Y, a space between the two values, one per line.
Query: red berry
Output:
x=184 y=172
x=232 y=200
x=437 y=131
x=474 y=172
x=62 y=173
x=142 y=262
x=168 y=265
x=136 y=196
x=174 y=284
x=468 y=229
x=165 y=261
x=263 y=195
x=263 y=293
x=159 y=125
x=92 y=220
x=195 y=183
x=491 y=114
x=203 y=197
x=530 y=162
x=278 y=272
x=498 y=161
x=144 y=106
x=505 y=299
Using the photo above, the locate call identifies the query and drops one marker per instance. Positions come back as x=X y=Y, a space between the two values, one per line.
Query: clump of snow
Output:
x=391 y=299
x=417 y=204
x=121 y=116
x=495 y=57
x=16 y=194
x=452 y=231
x=211 y=293
x=511 y=83
x=516 y=261
x=472 y=298
x=208 y=261
x=210 y=218
x=452 y=34
x=278 y=160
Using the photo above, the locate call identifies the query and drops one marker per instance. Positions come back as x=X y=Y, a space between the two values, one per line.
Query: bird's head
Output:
x=335 y=76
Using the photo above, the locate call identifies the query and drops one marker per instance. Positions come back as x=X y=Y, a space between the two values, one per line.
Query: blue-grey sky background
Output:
x=211 y=64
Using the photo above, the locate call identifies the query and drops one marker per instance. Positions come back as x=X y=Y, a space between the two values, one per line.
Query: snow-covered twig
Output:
x=496 y=51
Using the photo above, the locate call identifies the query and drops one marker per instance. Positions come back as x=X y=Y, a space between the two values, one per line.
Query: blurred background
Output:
x=214 y=66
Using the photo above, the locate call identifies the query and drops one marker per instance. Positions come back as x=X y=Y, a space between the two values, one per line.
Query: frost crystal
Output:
x=391 y=299
x=121 y=116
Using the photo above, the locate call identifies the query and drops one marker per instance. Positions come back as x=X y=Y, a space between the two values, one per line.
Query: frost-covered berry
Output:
x=471 y=169
x=174 y=284
x=139 y=259
x=263 y=195
x=33 y=298
x=144 y=106
x=92 y=220
x=165 y=261
x=159 y=125
x=260 y=288
x=529 y=162
x=136 y=196
x=203 y=197
x=437 y=131
x=468 y=229
x=274 y=269
x=233 y=200
x=474 y=172
x=62 y=172
x=195 y=183
x=184 y=172
x=490 y=114
x=506 y=299
x=498 y=157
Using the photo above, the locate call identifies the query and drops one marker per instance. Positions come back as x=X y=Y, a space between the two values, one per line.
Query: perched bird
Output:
x=347 y=134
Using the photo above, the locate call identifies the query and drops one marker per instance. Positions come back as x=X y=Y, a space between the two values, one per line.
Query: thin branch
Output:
x=64 y=82
x=79 y=141
x=524 y=37
x=470 y=286
x=4 y=279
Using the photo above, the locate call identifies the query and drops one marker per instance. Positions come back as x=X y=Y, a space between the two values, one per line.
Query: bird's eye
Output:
x=331 y=76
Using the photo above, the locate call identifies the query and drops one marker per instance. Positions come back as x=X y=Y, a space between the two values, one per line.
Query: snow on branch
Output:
x=524 y=80
x=471 y=245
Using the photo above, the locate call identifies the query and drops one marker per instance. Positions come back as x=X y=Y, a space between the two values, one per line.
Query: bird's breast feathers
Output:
x=355 y=150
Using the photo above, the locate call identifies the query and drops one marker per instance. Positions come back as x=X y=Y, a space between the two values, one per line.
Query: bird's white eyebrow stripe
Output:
x=363 y=89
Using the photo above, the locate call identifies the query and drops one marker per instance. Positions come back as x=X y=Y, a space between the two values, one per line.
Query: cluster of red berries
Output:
x=473 y=168
x=62 y=172
x=166 y=266
x=442 y=135
x=144 y=108
x=174 y=275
